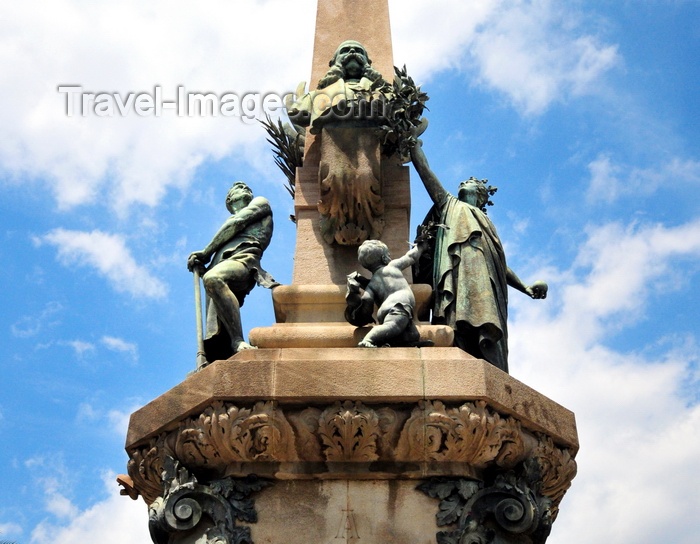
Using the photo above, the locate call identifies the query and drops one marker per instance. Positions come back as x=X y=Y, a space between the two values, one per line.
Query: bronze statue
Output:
x=389 y=291
x=235 y=252
x=468 y=272
x=346 y=109
x=343 y=94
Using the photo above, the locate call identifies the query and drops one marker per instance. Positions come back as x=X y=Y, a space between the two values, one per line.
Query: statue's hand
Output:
x=197 y=259
x=538 y=290
x=421 y=128
x=418 y=130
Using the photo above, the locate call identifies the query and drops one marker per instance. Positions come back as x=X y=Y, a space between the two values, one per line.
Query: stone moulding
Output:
x=350 y=438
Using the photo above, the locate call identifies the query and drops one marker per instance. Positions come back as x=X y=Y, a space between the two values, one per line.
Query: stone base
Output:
x=311 y=316
x=326 y=303
x=323 y=376
x=347 y=443
x=337 y=335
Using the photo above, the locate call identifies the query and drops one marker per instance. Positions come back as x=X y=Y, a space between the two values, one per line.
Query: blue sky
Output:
x=584 y=114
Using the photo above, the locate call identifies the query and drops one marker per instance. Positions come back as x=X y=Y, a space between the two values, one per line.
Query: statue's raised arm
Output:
x=432 y=184
x=468 y=272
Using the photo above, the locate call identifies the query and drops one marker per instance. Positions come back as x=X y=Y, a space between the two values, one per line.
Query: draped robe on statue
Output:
x=247 y=248
x=469 y=279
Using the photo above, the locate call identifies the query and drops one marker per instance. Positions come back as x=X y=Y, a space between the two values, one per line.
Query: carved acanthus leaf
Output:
x=470 y=433
x=391 y=421
x=224 y=433
x=145 y=468
x=427 y=438
x=349 y=432
x=557 y=469
x=305 y=425
x=351 y=204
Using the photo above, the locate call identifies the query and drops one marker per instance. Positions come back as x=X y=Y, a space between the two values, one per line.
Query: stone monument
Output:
x=310 y=439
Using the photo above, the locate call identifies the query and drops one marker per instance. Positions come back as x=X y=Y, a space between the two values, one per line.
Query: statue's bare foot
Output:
x=366 y=344
x=242 y=346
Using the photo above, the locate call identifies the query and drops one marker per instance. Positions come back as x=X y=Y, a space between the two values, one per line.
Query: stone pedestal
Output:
x=309 y=313
x=378 y=445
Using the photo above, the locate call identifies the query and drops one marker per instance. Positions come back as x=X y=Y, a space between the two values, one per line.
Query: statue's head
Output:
x=373 y=253
x=239 y=196
x=351 y=56
x=350 y=62
x=475 y=192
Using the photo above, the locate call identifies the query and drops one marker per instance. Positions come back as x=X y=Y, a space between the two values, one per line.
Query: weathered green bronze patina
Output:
x=469 y=273
x=343 y=94
x=389 y=291
x=346 y=109
x=235 y=252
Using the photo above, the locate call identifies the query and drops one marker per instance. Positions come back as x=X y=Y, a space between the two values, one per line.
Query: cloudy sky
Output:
x=583 y=113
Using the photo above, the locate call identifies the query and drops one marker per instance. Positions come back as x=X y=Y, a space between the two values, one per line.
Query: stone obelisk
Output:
x=309 y=440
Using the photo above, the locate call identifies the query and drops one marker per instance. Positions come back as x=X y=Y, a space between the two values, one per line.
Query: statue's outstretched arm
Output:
x=515 y=282
x=411 y=257
x=432 y=184
x=536 y=290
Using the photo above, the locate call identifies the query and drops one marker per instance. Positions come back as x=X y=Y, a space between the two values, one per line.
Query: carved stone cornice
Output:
x=387 y=440
x=319 y=377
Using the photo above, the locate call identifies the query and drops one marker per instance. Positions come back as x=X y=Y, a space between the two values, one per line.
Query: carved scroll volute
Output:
x=349 y=432
x=189 y=510
x=507 y=509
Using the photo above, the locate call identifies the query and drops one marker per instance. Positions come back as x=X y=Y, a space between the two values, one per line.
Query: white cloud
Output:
x=115 y=421
x=121 y=346
x=119 y=420
x=80 y=347
x=610 y=181
x=52 y=477
x=625 y=266
x=109 y=255
x=10 y=529
x=86 y=412
x=639 y=433
x=125 y=48
x=30 y=325
x=415 y=25
x=60 y=506
x=115 y=520
x=534 y=52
